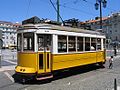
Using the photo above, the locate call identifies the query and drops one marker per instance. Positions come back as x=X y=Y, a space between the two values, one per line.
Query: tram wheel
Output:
x=23 y=81
x=101 y=64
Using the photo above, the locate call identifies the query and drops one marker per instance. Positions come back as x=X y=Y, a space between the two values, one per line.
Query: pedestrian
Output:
x=111 y=62
x=115 y=52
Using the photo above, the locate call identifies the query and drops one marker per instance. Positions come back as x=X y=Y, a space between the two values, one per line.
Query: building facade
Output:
x=110 y=26
x=9 y=36
x=114 y=27
x=1 y=42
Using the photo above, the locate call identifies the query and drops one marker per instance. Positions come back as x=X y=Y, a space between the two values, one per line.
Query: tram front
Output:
x=34 y=55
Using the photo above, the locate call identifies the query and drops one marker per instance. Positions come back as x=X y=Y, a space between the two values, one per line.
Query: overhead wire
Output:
x=93 y=4
x=77 y=10
x=56 y=10
x=64 y=5
x=89 y=2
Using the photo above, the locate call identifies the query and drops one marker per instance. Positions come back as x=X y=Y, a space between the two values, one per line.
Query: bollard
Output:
x=0 y=61
x=13 y=56
x=0 y=57
x=115 y=84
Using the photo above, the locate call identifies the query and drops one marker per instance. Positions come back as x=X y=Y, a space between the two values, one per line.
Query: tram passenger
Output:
x=111 y=62
x=92 y=48
x=115 y=52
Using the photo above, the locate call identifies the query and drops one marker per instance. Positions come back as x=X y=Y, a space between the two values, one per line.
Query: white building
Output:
x=114 y=27
x=110 y=26
x=9 y=36
x=0 y=40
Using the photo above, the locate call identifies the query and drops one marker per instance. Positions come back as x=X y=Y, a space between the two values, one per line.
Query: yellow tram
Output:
x=44 y=48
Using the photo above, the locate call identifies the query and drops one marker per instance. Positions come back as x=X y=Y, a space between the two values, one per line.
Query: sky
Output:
x=19 y=10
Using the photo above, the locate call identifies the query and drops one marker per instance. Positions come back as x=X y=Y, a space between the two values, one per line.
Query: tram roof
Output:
x=57 y=27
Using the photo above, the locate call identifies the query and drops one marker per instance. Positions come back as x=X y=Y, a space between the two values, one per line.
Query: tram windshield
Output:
x=28 y=41
x=19 y=42
x=25 y=42
x=44 y=42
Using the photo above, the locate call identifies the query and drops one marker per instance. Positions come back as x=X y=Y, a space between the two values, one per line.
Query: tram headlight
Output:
x=20 y=69
x=23 y=70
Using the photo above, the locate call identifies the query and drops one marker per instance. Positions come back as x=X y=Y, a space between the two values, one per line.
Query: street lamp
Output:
x=97 y=4
x=1 y=43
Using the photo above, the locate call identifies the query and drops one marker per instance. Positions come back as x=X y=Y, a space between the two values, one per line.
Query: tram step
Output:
x=45 y=77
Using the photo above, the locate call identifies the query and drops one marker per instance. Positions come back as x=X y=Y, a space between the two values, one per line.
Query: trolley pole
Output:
x=0 y=46
x=58 y=10
x=0 y=58
x=0 y=55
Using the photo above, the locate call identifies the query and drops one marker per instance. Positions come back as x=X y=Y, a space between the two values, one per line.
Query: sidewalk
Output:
x=4 y=68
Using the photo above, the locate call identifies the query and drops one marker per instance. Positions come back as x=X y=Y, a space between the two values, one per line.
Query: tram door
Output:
x=44 y=54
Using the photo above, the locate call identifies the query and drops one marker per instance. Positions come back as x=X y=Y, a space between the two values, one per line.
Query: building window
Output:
x=79 y=43
x=71 y=43
x=116 y=38
x=115 y=30
x=6 y=37
x=3 y=37
x=115 y=25
x=62 y=43
x=110 y=32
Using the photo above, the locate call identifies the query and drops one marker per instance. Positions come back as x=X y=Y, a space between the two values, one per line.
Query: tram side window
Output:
x=71 y=44
x=87 y=44
x=19 y=42
x=79 y=43
x=62 y=43
x=93 y=44
x=28 y=41
x=98 y=44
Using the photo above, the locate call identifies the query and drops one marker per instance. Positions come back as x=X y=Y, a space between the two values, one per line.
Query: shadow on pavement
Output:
x=75 y=71
x=61 y=74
